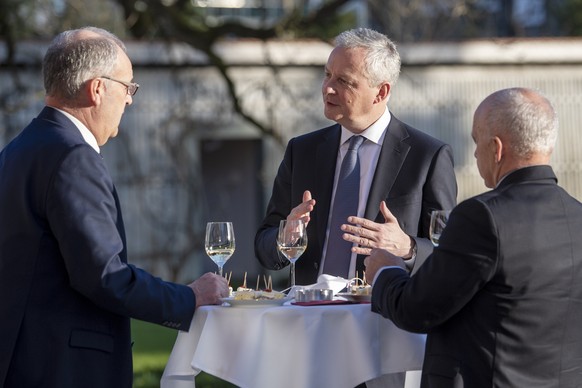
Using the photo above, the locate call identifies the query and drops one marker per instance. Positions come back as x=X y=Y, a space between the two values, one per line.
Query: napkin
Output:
x=335 y=283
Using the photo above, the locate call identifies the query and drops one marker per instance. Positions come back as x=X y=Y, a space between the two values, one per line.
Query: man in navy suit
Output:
x=66 y=290
x=501 y=296
x=404 y=173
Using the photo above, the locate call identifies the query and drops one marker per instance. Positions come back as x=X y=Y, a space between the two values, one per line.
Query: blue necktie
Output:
x=345 y=204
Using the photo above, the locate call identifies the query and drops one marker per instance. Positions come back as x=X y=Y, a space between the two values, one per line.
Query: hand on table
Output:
x=369 y=234
x=378 y=259
x=209 y=288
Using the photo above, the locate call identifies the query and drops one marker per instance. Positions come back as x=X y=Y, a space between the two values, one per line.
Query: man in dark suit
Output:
x=404 y=173
x=66 y=290
x=501 y=296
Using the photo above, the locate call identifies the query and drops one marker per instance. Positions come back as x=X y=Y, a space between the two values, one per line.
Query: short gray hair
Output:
x=76 y=56
x=527 y=117
x=382 y=61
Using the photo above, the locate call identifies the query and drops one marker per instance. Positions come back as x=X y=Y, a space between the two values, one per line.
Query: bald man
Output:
x=501 y=296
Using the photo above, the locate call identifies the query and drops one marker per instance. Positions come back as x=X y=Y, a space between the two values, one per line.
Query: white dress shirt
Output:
x=368 y=153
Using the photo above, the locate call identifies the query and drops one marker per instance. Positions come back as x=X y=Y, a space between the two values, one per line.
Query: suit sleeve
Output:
x=86 y=221
x=459 y=267
x=439 y=192
x=278 y=209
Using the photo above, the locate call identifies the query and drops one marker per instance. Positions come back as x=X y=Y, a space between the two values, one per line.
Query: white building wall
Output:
x=156 y=161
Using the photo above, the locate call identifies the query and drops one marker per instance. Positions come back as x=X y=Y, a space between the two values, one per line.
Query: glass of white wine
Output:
x=219 y=242
x=438 y=221
x=292 y=242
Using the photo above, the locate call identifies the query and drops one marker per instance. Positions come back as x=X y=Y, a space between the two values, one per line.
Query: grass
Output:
x=151 y=350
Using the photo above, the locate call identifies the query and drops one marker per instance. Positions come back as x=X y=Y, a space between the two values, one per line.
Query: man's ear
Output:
x=383 y=93
x=95 y=90
x=497 y=148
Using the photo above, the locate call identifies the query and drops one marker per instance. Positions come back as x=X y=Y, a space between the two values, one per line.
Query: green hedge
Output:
x=152 y=345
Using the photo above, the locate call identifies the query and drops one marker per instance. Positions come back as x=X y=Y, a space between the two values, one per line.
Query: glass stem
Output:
x=220 y=271
x=292 y=274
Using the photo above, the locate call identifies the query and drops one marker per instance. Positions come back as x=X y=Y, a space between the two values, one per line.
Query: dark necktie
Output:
x=345 y=204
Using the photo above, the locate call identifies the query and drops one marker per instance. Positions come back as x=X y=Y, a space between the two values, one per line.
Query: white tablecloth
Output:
x=291 y=347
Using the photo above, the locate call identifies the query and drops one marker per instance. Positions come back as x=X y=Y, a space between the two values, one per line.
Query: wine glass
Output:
x=438 y=221
x=219 y=242
x=292 y=242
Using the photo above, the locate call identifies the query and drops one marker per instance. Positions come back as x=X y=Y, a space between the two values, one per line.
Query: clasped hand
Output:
x=378 y=259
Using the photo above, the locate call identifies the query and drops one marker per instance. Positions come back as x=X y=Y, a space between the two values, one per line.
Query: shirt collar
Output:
x=374 y=132
x=87 y=135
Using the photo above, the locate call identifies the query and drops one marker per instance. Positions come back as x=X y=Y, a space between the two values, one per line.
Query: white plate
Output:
x=254 y=303
x=355 y=298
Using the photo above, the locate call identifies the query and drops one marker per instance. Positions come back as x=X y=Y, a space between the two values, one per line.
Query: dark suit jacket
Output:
x=66 y=290
x=501 y=297
x=414 y=175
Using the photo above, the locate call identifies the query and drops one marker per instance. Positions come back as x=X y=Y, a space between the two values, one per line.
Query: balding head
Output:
x=76 y=56
x=513 y=128
x=86 y=33
x=524 y=118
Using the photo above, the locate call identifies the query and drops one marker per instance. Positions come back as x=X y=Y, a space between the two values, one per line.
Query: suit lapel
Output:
x=392 y=156
x=325 y=160
x=120 y=226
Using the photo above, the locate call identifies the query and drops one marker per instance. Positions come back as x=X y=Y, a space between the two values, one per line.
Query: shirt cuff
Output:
x=409 y=263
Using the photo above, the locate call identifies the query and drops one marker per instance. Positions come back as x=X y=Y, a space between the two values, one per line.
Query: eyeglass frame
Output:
x=129 y=85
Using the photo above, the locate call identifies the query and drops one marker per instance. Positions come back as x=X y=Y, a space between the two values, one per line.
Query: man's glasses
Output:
x=131 y=86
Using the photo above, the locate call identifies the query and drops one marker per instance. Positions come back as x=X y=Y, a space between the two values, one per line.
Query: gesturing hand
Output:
x=368 y=234
x=301 y=211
